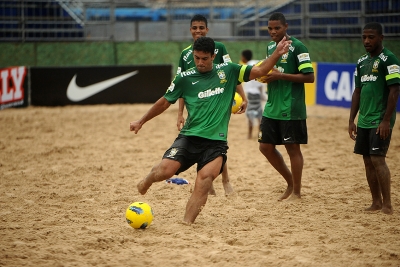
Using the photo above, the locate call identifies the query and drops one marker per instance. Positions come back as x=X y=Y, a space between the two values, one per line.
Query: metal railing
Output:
x=168 y=20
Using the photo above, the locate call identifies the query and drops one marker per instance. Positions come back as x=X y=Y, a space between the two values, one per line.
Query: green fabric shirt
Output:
x=186 y=60
x=208 y=98
x=373 y=76
x=286 y=100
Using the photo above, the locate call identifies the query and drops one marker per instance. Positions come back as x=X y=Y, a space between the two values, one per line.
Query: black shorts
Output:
x=370 y=143
x=280 y=132
x=189 y=150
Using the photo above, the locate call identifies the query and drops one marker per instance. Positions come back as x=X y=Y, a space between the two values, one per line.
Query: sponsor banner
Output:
x=335 y=84
x=59 y=86
x=13 y=87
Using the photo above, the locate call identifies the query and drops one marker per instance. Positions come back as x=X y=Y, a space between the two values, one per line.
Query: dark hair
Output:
x=374 y=26
x=278 y=16
x=204 y=44
x=247 y=54
x=198 y=17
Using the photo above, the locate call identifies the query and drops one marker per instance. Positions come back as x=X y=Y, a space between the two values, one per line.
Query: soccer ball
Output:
x=237 y=101
x=139 y=215
x=260 y=79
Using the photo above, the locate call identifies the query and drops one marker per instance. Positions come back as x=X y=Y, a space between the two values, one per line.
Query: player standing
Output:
x=284 y=117
x=377 y=85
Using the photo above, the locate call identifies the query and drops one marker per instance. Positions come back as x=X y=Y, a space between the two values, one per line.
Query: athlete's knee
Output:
x=163 y=170
x=293 y=150
x=265 y=149
x=377 y=160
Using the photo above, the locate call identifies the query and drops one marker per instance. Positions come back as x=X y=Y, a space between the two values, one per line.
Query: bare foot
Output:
x=143 y=187
x=287 y=193
x=387 y=210
x=185 y=223
x=294 y=197
x=374 y=207
x=228 y=188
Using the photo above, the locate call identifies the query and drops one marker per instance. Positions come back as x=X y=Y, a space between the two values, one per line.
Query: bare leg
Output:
x=383 y=174
x=373 y=183
x=225 y=181
x=212 y=190
x=202 y=186
x=296 y=163
x=276 y=160
x=163 y=171
x=250 y=131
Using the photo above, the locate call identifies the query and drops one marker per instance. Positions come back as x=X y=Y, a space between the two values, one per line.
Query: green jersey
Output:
x=373 y=76
x=286 y=100
x=208 y=98
x=186 y=60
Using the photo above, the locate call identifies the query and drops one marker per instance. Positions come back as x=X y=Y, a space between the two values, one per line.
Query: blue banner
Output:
x=335 y=84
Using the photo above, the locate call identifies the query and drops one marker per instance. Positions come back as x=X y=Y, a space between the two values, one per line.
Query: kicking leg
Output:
x=163 y=171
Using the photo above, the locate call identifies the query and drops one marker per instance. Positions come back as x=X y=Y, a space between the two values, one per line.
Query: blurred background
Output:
x=45 y=44
x=119 y=32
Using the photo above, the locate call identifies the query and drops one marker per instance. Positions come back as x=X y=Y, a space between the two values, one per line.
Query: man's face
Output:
x=276 y=30
x=372 y=41
x=198 y=29
x=203 y=61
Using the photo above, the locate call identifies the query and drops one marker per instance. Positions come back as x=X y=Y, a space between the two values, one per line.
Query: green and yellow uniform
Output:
x=208 y=98
x=373 y=76
x=286 y=100
x=186 y=60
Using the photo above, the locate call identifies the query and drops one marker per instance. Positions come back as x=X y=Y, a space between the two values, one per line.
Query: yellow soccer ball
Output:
x=260 y=79
x=237 y=101
x=139 y=215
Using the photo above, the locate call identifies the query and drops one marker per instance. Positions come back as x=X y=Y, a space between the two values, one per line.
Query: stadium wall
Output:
x=148 y=53
x=334 y=62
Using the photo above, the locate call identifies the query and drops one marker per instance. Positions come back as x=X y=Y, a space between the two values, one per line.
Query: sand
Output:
x=67 y=175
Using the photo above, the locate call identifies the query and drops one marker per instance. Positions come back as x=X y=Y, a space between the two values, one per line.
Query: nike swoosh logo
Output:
x=195 y=82
x=189 y=61
x=375 y=148
x=285 y=139
x=76 y=93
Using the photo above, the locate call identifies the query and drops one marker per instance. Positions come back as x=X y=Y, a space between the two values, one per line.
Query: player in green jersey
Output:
x=377 y=85
x=284 y=117
x=208 y=91
x=199 y=28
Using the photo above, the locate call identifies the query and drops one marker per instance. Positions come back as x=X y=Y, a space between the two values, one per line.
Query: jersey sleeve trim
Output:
x=304 y=66
x=244 y=73
x=392 y=76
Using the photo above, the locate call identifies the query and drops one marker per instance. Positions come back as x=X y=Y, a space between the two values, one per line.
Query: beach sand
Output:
x=67 y=175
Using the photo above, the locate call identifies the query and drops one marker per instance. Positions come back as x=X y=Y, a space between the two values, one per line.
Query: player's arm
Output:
x=263 y=69
x=243 y=106
x=275 y=74
x=355 y=106
x=159 y=107
x=384 y=126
